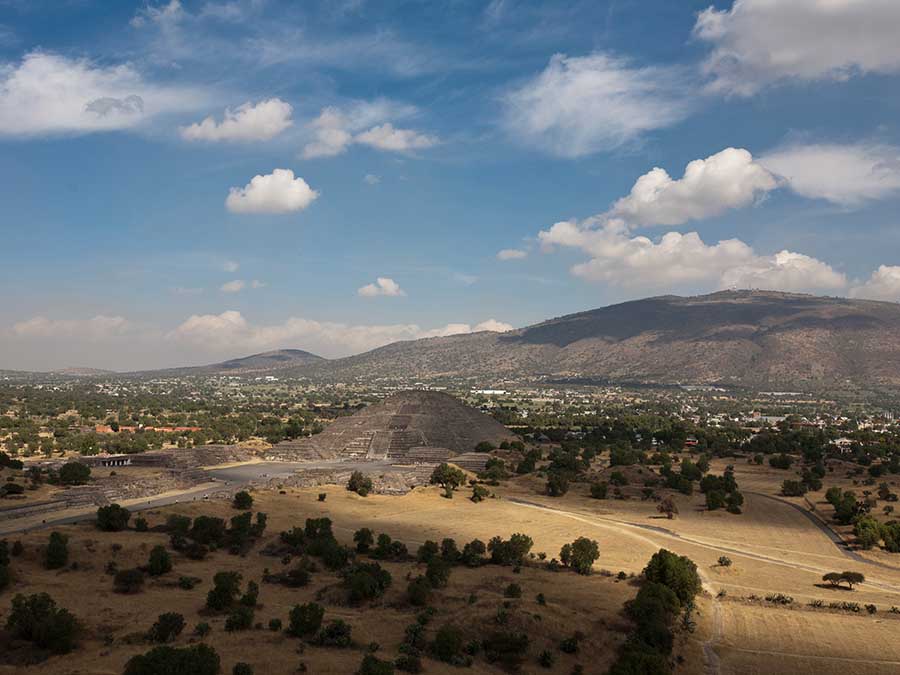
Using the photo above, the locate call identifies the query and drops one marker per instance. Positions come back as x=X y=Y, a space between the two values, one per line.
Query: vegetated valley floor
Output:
x=775 y=548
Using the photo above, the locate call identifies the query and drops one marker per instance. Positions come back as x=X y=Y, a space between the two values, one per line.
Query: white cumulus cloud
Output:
x=248 y=122
x=843 y=174
x=382 y=286
x=884 y=284
x=368 y=123
x=762 y=42
x=675 y=259
x=511 y=254
x=726 y=180
x=235 y=286
x=277 y=192
x=583 y=105
x=493 y=326
x=230 y=332
x=100 y=327
x=48 y=94
x=386 y=137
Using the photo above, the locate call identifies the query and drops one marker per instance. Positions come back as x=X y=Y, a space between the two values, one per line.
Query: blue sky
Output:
x=188 y=181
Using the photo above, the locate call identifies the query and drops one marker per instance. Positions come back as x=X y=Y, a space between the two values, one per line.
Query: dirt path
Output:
x=823 y=527
x=712 y=661
x=664 y=532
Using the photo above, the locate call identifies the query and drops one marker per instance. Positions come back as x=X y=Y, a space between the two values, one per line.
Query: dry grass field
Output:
x=113 y=622
x=774 y=547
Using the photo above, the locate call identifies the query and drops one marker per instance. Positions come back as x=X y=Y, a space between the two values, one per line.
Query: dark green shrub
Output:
x=74 y=473
x=359 y=483
x=679 y=573
x=196 y=660
x=479 y=493
x=57 y=553
x=506 y=648
x=38 y=620
x=335 y=634
x=112 y=518
x=160 y=561
x=428 y=551
x=438 y=572
x=448 y=644
x=598 y=490
x=366 y=581
x=512 y=591
x=363 y=538
x=128 y=581
x=408 y=663
x=243 y=500
x=226 y=586
x=188 y=583
x=305 y=619
x=241 y=618
x=167 y=627
x=373 y=666
x=419 y=591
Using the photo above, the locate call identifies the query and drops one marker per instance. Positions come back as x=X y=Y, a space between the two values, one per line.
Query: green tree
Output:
x=583 y=552
x=160 y=561
x=128 y=581
x=363 y=538
x=419 y=591
x=867 y=531
x=226 y=587
x=479 y=493
x=448 y=644
x=359 y=483
x=243 y=500
x=38 y=620
x=167 y=627
x=677 y=572
x=305 y=619
x=598 y=490
x=448 y=477
x=715 y=500
x=112 y=518
x=438 y=572
x=57 y=553
x=557 y=484
x=195 y=660
x=366 y=581
x=74 y=473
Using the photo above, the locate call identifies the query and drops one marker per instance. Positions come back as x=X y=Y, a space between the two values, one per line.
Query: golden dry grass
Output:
x=774 y=548
x=591 y=604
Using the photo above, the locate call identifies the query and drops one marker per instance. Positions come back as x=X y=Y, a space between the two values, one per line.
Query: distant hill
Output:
x=754 y=339
x=266 y=362
x=83 y=372
x=750 y=338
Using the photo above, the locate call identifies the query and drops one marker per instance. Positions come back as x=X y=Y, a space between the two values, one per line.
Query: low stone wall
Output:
x=27 y=510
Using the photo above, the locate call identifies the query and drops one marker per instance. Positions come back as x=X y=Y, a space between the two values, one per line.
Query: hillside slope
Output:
x=751 y=338
x=265 y=363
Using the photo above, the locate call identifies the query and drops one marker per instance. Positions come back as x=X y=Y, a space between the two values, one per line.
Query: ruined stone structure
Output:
x=408 y=427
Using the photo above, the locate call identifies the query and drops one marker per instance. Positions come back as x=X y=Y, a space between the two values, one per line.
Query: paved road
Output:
x=14 y=526
x=227 y=478
x=265 y=471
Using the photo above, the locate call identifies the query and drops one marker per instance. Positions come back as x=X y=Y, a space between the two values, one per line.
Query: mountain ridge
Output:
x=751 y=338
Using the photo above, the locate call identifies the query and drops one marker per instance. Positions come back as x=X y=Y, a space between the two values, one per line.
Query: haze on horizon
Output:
x=186 y=181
